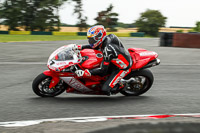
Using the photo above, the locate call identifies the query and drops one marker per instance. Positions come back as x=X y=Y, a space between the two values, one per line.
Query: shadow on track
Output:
x=91 y=99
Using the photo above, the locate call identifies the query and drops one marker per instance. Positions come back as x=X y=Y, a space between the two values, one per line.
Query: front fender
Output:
x=55 y=78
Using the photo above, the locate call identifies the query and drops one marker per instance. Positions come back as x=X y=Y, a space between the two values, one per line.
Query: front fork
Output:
x=55 y=79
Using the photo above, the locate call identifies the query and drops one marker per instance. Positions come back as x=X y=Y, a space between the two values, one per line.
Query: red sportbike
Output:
x=64 y=61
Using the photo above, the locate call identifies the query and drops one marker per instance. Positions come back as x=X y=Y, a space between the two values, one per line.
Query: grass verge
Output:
x=24 y=38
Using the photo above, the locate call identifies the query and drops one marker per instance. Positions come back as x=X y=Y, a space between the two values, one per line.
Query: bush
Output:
x=179 y=31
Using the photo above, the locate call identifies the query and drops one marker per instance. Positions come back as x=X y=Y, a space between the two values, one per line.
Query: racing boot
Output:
x=106 y=93
x=116 y=89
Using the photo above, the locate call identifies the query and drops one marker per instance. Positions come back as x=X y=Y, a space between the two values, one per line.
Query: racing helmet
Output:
x=96 y=35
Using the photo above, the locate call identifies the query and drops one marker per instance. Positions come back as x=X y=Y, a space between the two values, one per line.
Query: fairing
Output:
x=141 y=57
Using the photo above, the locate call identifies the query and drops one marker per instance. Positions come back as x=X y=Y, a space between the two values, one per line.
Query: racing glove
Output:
x=77 y=47
x=81 y=73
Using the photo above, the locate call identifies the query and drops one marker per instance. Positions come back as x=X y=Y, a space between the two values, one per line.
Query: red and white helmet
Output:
x=96 y=35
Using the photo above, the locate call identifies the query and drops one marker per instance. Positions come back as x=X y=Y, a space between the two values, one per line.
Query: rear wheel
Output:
x=41 y=88
x=142 y=82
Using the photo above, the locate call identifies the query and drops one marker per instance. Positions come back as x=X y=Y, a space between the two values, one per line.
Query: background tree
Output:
x=197 y=28
x=124 y=25
x=31 y=14
x=108 y=18
x=10 y=13
x=150 y=21
x=82 y=19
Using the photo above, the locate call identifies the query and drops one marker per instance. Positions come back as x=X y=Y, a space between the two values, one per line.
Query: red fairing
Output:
x=141 y=57
x=56 y=77
x=49 y=73
x=94 y=60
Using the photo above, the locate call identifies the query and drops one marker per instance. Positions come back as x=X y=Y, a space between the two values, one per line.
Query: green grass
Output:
x=24 y=38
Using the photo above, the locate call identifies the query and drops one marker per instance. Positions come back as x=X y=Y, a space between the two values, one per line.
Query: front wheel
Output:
x=142 y=82
x=41 y=88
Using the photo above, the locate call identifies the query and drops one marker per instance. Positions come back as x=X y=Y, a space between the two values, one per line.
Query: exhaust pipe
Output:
x=152 y=63
x=131 y=80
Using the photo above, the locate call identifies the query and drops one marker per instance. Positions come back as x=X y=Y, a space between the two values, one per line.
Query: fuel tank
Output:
x=91 y=58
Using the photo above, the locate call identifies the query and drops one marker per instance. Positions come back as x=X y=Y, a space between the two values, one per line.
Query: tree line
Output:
x=37 y=15
x=31 y=14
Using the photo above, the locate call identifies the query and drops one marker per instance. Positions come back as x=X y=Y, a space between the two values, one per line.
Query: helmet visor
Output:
x=92 y=40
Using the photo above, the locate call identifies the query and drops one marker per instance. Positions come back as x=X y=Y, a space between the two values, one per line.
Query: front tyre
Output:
x=143 y=81
x=41 y=88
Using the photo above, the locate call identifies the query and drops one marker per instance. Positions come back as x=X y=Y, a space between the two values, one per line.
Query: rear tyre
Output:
x=143 y=82
x=41 y=88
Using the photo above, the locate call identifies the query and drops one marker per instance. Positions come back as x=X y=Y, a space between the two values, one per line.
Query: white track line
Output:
x=93 y=119
x=22 y=63
x=180 y=64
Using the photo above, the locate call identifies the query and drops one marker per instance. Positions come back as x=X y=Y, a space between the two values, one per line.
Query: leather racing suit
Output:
x=113 y=52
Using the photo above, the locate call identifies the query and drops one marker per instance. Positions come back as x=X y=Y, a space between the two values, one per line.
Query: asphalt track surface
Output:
x=176 y=89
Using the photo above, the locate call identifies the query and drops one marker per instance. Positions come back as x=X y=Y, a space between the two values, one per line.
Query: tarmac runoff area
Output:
x=173 y=100
x=176 y=123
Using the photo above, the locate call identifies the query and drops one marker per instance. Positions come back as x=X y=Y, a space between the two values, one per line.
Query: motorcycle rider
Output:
x=113 y=52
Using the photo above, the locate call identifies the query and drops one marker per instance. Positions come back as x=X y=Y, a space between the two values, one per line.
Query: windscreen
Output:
x=64 y=55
